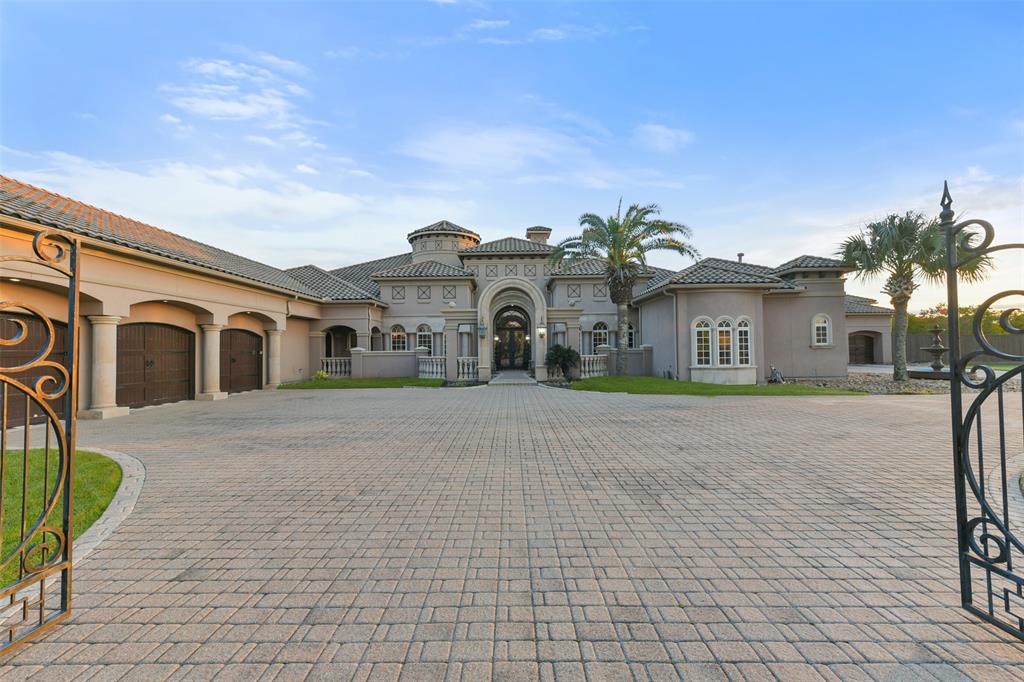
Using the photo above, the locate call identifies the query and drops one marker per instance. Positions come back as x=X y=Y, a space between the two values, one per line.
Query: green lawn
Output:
x=390 y=382
x=96 y=481
x=659 y=386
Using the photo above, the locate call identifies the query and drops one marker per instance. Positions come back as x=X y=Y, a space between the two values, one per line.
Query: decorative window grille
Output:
x=743 y=343
x=492 y=270
x=725 y=343
x=574 y=291
x=600 y=291
x=423 y=293
x=397 y=293
x=600 y=335
x=448 y=292
x=511 y=269
x=547 y=269
x=399 y=340
x=425 y=338
x=530 y=270
x=702 y=344
x=822 y=330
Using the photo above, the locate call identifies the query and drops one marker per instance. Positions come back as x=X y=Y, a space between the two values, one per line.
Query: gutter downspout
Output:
x=675 y=328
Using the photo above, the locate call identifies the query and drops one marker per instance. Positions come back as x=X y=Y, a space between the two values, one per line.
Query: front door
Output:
x=511 y=341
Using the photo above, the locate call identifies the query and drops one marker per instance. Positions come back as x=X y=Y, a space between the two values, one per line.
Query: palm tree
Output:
x=622 y=242
x=905 y=249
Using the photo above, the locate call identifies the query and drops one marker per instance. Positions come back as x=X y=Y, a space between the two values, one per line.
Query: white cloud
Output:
x=487 y=24
x=180 y=127
x=548 y=34
x=661 y=138
x=493 y=150
x=306 y=170
x=261 y=140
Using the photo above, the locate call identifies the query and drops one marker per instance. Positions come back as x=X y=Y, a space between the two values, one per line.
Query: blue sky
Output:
x=323 y=133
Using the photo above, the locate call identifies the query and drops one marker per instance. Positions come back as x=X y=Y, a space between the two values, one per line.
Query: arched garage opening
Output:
x=865 y=348
x=155 y=364
x=33 y=339
x=241 y=360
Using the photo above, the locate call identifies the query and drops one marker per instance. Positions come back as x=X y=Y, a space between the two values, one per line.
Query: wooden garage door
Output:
x=862 y=349
x=241 y=361
x=25 y=352
x=155 y=364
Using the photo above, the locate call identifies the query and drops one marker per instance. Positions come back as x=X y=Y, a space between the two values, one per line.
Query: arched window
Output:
x=398 y=338
x=376 y=339
x=631 y=337
x=821 y=330
x=702 y=343
x=743 y=352
x=425 y=338
x=600 y=335
x=724 y=342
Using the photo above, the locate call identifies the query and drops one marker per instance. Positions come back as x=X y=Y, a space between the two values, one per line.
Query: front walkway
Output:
x=512 y=377
x=528 y=532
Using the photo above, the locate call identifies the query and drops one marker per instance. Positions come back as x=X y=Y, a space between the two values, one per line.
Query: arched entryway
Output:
x=512 y=340
x=863 y=349
x=340 y=341
x=512 y=294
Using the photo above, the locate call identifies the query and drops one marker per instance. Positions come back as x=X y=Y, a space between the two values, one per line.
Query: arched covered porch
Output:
x=512 y=316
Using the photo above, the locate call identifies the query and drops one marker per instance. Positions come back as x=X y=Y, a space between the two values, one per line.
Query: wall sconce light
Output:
x=482 y=331
x=497 y=338
x=542 y=332
x=527 y=338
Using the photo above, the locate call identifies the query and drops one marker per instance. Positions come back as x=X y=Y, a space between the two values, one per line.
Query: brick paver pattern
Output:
x=518 y=533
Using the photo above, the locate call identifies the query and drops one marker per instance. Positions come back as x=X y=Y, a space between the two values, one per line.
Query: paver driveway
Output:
x=522 y=532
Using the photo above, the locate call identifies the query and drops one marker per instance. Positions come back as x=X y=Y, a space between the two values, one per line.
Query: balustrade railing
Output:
x=431 y=367
x=593 y=366
x=468 y=368
x=337 y=367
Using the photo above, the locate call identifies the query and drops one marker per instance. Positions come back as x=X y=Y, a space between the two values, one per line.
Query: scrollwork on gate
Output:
x=989 y=504
x=37 y=446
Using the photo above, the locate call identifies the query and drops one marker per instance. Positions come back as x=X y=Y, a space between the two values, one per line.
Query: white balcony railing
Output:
x=468 y=368
x=431 y=367
x=337 y=367
x=593 y=366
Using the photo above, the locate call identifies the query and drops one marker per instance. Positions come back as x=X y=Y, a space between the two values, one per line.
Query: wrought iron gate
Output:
x=988 y=456
x=37 y=448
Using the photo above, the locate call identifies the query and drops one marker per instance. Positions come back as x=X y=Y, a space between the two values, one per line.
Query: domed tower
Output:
x=441 y=242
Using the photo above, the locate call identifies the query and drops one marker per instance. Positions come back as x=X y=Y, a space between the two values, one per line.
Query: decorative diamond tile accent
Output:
x=530 y=270
x=574 y=291
x=511 y=269
x=448 y=292
x=423 y=293
x=600 y=291
x=397 y=293
x=492 y=270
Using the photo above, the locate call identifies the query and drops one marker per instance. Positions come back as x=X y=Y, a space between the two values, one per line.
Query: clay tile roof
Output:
x=806 y=262
x=327 y=285
x=424 y=269
x=594 y=267
x=359 y=273
x=510 y=245
x=20 y=200
x=710 y=271
x=860 y=305
x=442 y=226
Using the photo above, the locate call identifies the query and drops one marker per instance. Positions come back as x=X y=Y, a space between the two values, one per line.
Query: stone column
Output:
x=317 y=352
x=211 y=363
x=273 y=358
x=103 y=391
x=451 y=363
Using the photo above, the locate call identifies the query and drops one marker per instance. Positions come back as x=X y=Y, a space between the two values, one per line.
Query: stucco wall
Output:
x=788 y=333
x=656 y=322
x=714 y=305
x=387 y=364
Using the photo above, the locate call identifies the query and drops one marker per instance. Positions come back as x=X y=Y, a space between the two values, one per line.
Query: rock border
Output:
x=133 y=477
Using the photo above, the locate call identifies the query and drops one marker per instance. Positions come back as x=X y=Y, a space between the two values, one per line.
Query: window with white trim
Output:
x=724 y=343
x=398 y=338
x=702 y=343
x=425 y=338
x=821 y=330
x=631 y=337
x=743 y=343
x=599 y=336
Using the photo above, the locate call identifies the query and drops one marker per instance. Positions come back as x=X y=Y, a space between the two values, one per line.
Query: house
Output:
x=166 y=318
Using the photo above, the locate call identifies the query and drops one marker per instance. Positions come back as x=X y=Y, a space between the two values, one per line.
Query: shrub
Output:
x=321 y=376
x=562 y=357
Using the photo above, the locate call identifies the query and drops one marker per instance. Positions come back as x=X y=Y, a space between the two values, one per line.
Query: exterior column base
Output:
x=103 y=412
x=270 y=387
x=484 y=374
x=540 y=373
x=218 y=395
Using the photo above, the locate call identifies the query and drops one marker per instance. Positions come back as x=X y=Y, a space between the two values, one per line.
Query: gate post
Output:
x=211 y=363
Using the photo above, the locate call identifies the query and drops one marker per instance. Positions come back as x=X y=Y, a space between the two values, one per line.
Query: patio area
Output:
x=524 y=532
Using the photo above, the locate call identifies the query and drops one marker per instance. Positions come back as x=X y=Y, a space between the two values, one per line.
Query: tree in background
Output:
x=905 y=249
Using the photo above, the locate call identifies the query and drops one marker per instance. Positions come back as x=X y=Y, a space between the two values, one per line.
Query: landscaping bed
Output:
x=660 y=386
x=883 y=384
x=97 y=479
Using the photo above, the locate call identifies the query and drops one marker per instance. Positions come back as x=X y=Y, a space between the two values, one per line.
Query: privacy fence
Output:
x=1005 y=342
